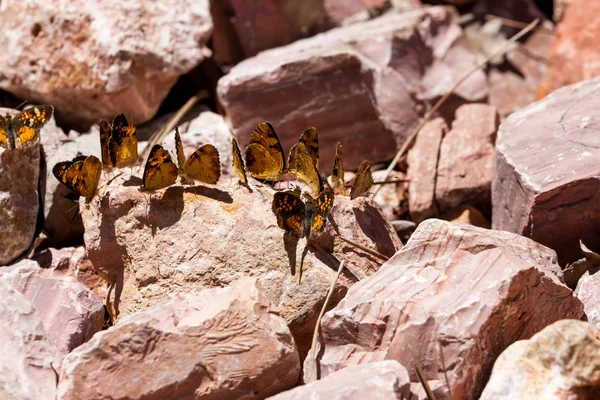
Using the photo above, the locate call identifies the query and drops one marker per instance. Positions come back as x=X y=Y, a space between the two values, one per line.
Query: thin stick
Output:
x=411 y=137
x=421 y=375
x=363 y=248
x=514 y=24
x=313 y=347
x=445 y=374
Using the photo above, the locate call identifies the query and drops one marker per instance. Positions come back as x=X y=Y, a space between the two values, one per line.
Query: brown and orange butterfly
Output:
x=118 y=142
x=264 y=155
x=363 y=180
x=23 y=127
x=238 y=162
x=303 y=160
x=81 y=175
x=160 y=170
x=299 y=218
x=337 y=178
x=203 y=165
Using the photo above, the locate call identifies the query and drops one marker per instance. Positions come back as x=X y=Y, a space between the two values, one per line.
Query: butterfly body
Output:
x=303 y=160
x=238 y=162
x=23 y=127
x=337 y=178
x=81 y=175
x=264 y=154
x=303 y=219
x=160 y=170
x=203 y=165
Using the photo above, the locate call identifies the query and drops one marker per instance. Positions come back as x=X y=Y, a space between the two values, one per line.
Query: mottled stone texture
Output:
x=560 y=362
x=359 y=84
x=216 y=344
x=546 y=175
x=472 y=290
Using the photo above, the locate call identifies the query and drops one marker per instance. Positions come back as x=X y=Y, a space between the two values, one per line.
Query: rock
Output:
x=467 y=215
x=217 y=235
x=70 y=313
x=62 y=220
x=587 y=292
x=545 y=176
x=391 y=195
x=19 y=201
x=574 y=56
x=404 y=228
x=466 y=158
x=473 y=290
x=95 y=62
x=422 y=170
x=218 y=343
x=358 y=84
x=344 y=12
x=26 y=358
x=382 y=380
x=559 y=9
x=559 y=362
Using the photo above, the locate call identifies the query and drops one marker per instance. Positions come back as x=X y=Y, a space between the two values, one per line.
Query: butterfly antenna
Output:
x=21 y=105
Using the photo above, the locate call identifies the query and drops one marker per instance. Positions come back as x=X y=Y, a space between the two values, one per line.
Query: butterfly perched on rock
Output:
x=203 y=165
x=363 y=180
x=337 y=178
x=160 y=170
x=299 y=218
x=23 y=127
x=303 y=160
x=81 y=175
x=238 y=162
x=264 y=155
x=118 y=142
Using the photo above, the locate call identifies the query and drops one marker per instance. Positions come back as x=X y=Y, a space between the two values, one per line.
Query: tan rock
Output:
x=356 y=84
x=587 y=291
x=466 y=160
x=422 y=170
x=467 y=215
x=545 y=171
x=473 y=290
x=70 y=313
x=225 y=343
x=344 y=12
x=93 y=61
x=19 y=202
x=559 y=362
x=26 y=357
x=186 y=239
x=383 y=380
x=391 y=195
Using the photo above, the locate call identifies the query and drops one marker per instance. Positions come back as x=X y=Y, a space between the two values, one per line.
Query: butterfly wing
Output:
x=363 y=181
x=59 y=171
x=91 y=171
x=238 y=162
x=311 y=140
x=289 y=209
x=105 y=137
x=160 y=170
x=264 y=155
x=179 y=148
x=123 y=145
x=204 y=165
x=337 y=179
x=300 y=164
x=4 y=138
x=27 y=123
x=321 y=207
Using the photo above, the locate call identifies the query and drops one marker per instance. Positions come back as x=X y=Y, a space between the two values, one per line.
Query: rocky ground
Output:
x=475 y=270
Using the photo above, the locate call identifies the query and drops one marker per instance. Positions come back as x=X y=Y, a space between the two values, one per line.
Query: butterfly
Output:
x=337 y=178
x=302 y=219
x=363 y=180
x=303 y=160
x=264 y=155
x=203 y=165
x=238 y=162
x=160 y=170
x=81 y=175
x=23 y=127
x=118 y=142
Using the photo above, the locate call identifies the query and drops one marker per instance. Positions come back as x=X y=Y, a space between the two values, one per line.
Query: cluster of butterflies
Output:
x=264 y=160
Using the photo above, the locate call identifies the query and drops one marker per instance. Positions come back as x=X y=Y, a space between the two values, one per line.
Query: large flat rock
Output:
x=546 y=175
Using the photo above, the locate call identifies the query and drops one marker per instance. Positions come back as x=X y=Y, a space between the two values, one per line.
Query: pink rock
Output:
x=70 y=313
x=181 y=240
x=422 y=170
x=95 y=62
x=546 y=176
x=473 y=290
x=26 y=357
x=559 y=362
x=356 y=84
x=391 y=195
x=344 y=12
x=574 y=55
x=381 y=380
x=19 y=197
x=466 y=158
x=221 y=343
x=587 y=291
